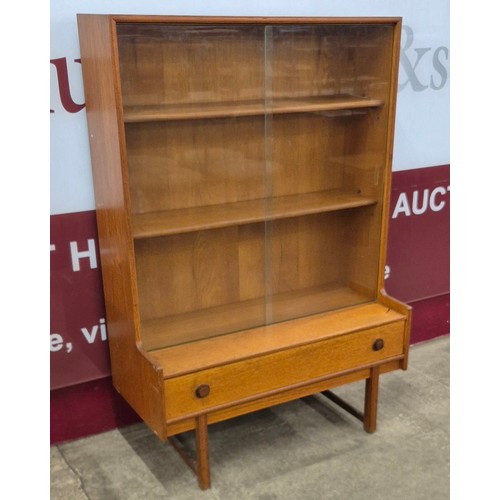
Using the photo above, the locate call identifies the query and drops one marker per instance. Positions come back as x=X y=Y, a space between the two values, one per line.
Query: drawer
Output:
x=222 y=385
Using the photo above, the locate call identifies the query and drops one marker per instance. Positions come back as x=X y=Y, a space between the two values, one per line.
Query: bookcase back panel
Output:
x=305 y=252
x=365 y=150
x=310 y=264
x=313 y=152
x=199 y=270
x=300 y=153
x=317 y=60
x=195 y=163
x=169 y=63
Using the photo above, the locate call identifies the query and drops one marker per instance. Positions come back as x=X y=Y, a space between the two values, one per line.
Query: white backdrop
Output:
x=422 y=121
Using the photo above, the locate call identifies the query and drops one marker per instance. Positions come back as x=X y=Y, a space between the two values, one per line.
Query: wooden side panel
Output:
x=396 y=43
x=406 y=310
x=383 y=297
x=134 y=376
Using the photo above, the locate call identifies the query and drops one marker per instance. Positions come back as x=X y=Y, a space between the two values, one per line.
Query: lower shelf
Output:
x=217 y=351
x=206 y=323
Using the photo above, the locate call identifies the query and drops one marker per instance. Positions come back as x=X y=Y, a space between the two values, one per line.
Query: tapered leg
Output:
x=202 y=461
x=371 y=400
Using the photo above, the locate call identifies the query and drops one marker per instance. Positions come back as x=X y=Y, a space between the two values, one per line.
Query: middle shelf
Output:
x=198 y=111
x=183 y=220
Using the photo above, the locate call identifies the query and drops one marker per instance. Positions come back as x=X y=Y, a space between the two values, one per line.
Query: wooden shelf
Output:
x=184 y=220
x=206 y=353
x=198 y=111
x=205 y=323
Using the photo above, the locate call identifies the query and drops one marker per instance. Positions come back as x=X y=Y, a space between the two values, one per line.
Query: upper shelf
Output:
x=198 y=111
x=184 y=220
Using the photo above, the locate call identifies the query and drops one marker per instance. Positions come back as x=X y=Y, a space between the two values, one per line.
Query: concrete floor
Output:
x=307 y=449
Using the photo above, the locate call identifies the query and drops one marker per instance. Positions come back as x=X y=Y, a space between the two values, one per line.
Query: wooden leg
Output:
x=369 y=417
x=200 y=466
x=203 y=466
x=371 y=400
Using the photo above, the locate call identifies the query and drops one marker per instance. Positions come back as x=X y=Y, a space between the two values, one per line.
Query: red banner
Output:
x=418 y=254
x=417 y=270
x=78 y=337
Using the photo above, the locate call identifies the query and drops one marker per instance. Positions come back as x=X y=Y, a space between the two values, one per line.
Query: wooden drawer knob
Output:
x=202 y=391
x=378 y=345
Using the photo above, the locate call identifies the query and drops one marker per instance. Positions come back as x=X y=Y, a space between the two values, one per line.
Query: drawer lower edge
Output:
x=234 y=409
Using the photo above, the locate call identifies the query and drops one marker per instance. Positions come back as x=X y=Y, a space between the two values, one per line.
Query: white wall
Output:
x=422 y=122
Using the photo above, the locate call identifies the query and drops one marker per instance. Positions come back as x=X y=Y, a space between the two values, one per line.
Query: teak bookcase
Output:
x=242 y=177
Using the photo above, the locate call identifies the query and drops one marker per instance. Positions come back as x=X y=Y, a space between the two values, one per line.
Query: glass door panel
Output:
x=325 y=161
x=193 y=107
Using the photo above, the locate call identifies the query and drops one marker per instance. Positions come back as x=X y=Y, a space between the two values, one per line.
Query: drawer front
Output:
x=222 y=385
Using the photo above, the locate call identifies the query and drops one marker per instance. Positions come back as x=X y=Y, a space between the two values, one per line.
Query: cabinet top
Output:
x=128 y=18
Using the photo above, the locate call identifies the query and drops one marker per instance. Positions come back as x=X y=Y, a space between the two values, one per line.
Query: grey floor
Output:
x=307 y=449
